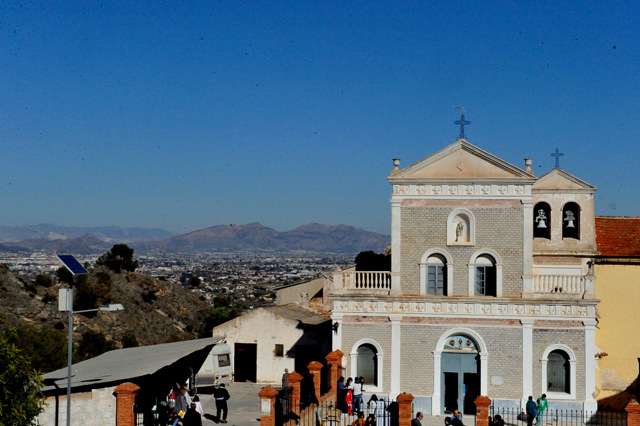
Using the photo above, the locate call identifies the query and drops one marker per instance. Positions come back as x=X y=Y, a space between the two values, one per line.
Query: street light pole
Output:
x=69 y=354
x=76 y=269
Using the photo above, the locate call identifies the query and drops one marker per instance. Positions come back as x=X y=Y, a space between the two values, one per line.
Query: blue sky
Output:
x=184 y=115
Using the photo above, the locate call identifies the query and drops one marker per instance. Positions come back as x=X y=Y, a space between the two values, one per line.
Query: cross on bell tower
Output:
x=461 y=122
x=557 y=154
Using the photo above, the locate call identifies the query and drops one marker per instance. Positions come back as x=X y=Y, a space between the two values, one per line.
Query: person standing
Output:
x=221 y=395
x=196 y=400
x=418 y=420
x=285 y=382
x=357 y=394
x=349 y=396
x=181 y=406
x=532 y=411
x=543 y=404
x=192 y=418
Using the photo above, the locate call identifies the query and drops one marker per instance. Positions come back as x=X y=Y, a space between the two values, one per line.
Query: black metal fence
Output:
x=383 y=413
x=551 y=417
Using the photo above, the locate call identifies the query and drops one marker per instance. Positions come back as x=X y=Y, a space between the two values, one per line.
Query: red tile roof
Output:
x=618 y=236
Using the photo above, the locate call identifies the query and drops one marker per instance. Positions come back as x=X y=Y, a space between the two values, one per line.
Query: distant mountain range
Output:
x=223 y=238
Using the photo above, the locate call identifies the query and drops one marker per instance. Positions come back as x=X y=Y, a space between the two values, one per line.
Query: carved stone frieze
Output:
x=462 y=190
x=446 y=308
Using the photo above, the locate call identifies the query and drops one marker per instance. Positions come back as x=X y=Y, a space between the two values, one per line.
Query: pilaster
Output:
x=527 y=359
x=396 y=353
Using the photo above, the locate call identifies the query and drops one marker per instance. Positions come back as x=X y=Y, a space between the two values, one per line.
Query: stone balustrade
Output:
x=559 y=284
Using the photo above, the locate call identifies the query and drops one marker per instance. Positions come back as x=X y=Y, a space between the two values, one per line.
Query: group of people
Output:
x=350 y=395
x=454 y=420
x=536 y=409
x=188 y=411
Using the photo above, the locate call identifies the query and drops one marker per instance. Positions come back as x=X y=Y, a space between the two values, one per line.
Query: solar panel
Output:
x=72 y=264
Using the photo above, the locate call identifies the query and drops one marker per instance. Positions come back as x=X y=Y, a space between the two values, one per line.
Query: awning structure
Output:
x=168 y=362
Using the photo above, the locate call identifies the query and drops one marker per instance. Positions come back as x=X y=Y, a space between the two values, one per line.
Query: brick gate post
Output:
x=125 y=400
x=404 y=409
x=268 y=406
x=334 y=360
x=633 y=413
x=294 y=380
x=314 y=368
x=482 y=410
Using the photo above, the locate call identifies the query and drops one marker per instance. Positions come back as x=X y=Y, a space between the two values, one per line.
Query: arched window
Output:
x=485 y=276
x=559 y=372
x=367 y=364
x=571 y=221
x=542 y=221
x=436 y=273
x=366 y=361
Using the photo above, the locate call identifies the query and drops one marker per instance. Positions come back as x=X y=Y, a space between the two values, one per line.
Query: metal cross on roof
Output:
x=557 y=154
x=461 y=122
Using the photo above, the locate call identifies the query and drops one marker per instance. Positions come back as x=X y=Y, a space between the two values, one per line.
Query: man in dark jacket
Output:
x=221 y=395
x=532 y=411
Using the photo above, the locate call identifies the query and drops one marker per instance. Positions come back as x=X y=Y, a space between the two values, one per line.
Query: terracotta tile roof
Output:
x=618 y=236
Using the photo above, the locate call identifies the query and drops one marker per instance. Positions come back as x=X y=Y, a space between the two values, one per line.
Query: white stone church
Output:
x=491 y=289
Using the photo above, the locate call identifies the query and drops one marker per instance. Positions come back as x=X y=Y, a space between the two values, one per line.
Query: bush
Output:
x=92 y=343
x=43 y=280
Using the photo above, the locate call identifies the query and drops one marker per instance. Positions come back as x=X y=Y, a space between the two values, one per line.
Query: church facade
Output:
x=491 y=289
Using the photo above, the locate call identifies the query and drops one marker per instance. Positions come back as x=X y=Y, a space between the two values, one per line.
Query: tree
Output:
x=21 y=398
x=92 y=343
x=129 y=340
x=118 y=259
x=64 y=275
x=43 y=280
x=224 y=310
x=195 y=281
x=84 y=296
x=44 y=348
x=372 y=261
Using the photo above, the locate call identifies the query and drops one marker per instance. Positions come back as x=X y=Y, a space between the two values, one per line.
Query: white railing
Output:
x=558 y=284
x=367 y=280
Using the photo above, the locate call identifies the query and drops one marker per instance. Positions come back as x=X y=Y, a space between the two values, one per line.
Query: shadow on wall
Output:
x=620 y=400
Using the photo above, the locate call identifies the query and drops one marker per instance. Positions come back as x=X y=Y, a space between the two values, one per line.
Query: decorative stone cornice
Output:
x=509 y=308
x=457 y=189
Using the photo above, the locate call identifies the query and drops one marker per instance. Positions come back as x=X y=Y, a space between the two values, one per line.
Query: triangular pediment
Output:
x=559 y=180
x=461 y=160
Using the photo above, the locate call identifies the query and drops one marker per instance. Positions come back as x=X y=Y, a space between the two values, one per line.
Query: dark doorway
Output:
x=471 y=392
x=450 y=392
x=460 y=381
x=245 y=362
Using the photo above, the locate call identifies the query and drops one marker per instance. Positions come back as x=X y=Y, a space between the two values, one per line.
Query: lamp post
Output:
x=65 y=303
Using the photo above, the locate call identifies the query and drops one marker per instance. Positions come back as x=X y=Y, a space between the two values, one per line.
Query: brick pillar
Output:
x=125 y=400
x=404 y=409
x=268 y=406
x=482 y=410
x=294 y=380
x=334 y=360
x=633 y=413
x=315 y=368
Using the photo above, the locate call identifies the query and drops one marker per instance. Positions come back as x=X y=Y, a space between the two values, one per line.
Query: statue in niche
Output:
x=569 y=219
x=541 y=220
x=460 y=231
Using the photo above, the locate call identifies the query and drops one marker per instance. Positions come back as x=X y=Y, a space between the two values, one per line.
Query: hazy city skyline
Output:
x=184 y=116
